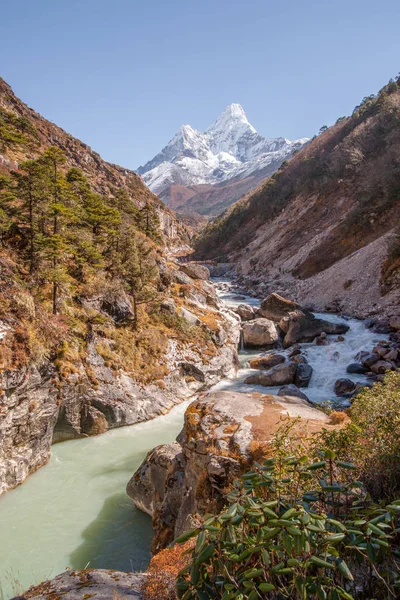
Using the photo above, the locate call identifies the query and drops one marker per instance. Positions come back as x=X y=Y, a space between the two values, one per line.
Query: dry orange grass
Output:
x=160 y=583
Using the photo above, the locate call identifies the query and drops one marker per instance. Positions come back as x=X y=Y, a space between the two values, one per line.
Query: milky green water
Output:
x=75 y=512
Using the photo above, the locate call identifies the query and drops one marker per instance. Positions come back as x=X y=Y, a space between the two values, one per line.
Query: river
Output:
x=74 y=512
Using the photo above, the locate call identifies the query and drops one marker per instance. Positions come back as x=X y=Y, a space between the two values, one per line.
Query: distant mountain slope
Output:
x=229 y=151
x=318 y=220
x=40 y=133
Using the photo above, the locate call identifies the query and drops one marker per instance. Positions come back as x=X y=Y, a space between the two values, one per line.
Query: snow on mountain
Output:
x=230 y=148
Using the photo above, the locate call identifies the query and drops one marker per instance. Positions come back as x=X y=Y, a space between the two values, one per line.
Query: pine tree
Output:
x=139 y=269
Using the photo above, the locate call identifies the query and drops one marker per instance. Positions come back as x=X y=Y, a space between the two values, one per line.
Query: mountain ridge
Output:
x=229 y=149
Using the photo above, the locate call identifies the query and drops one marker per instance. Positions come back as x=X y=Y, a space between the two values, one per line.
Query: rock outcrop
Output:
x=41 y=405
x=90 y=583
x=178 y=481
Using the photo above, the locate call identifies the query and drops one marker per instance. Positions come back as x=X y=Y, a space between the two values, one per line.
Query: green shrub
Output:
x=275 y=540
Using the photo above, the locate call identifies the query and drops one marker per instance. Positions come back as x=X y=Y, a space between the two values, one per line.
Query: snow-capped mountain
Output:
x=230 y=148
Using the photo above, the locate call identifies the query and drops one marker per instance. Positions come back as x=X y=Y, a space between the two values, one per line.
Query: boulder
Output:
x=279 y=375
x=357 y=369
x=118 y=308
x=267 y=362
x=189 y=317
x=303 y=375
x=245 y=312
x=381 y=366
x=181 y=278
x=168 y=306
x=395 y=323
x=344 y=387
x=275 y=307
x=306 y=328
x=195 y=271
x=369 y=360
x=299 y=359
x=101 y=584
x=260 y=332
x=292 y=391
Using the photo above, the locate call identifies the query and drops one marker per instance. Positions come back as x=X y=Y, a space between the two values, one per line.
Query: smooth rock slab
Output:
x=98 y=584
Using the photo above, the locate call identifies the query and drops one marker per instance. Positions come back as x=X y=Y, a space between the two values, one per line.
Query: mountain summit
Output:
x=230 y=148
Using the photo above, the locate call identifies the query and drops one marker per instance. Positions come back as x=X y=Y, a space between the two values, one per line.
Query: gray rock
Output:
x=275 y=307
x=181 y=278
x=168 y=306
x=381 y=366
x=305 y=328
x=303 y=375
x=119 y=309
x=267 y=362
x=356 y=368
x=395 y=323
x=195 y=271
x=245 y=312
x=369 y=360
x=279 y=375
x=292 y=390
x=260 y=332
x=189 y=317
x=100 y=584
x=344 y=387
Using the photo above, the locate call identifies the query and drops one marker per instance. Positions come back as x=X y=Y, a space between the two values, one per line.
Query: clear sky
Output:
x=123 y=75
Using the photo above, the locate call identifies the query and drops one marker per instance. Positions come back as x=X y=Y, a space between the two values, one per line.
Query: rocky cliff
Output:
x=222 y=434
x=188 y=346
x=323 y=228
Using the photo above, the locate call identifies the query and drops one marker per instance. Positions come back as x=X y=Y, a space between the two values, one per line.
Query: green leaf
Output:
x=266 y=587
x=317 y=465
x=206 y=554
x=346 y=465
x=321 y=563
x=187 y=535
x=344 y=569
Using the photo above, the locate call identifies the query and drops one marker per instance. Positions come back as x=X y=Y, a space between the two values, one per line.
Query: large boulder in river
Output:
x=276 y=307
x=303 y=375
x=260 y=332
x=245 y=312
x=305 y=328
x=266 y=362
x=279 y=375
x=344 y=387
x=195 y=271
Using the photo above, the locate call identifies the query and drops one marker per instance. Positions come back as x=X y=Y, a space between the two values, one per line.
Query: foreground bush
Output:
x=296 y=529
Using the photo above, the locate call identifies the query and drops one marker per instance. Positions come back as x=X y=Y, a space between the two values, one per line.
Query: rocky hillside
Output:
x=98 y=327
x=201 y=173
x=24 y=134
x=324 y=228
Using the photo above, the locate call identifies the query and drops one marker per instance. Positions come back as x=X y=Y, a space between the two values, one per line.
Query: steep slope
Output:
x=98 y=328
x=34 y=134
x=229 y=151
x=324 y=226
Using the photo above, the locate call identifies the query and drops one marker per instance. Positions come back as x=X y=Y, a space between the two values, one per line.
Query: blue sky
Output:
x=124 y=75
